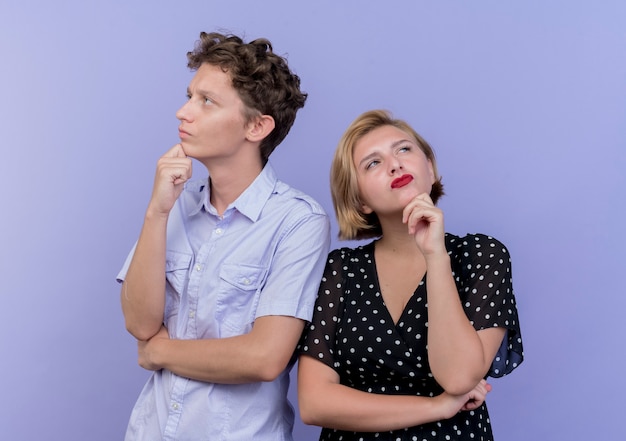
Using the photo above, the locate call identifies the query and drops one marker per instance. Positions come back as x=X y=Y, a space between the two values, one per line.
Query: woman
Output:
x=407 y=327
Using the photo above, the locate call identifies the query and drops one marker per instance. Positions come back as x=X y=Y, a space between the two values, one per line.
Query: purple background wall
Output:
x=524 y=103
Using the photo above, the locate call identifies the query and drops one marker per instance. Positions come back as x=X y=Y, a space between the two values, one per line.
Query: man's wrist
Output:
x=158 y=351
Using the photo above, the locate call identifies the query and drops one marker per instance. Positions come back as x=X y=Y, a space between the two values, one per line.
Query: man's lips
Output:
x=401 y=181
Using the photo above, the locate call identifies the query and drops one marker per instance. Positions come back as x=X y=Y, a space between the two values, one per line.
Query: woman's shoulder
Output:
x=346 y=253
x=474 y=243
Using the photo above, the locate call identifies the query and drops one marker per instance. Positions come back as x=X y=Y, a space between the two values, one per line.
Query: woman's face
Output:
x=391 y=170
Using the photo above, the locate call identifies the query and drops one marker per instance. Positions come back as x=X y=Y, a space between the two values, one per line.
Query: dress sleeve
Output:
x=486 y=288
x=319 y=337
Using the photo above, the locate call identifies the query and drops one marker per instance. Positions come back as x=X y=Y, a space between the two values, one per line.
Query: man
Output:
x=225 y=272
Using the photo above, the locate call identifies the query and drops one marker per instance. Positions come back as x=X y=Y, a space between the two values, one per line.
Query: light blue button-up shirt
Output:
x=264 y=256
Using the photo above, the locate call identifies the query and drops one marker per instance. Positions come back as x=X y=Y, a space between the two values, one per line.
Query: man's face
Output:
x=212 y=123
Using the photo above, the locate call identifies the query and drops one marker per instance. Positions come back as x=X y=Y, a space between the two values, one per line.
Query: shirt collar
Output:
x=250 y=203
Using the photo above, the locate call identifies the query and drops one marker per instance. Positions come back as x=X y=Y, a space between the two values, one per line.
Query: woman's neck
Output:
x=396 y=239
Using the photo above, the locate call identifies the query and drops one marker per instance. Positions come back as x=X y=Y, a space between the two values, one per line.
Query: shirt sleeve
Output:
x=484 y=278
x=122 y=274
x=296 y=269
x=319 y=337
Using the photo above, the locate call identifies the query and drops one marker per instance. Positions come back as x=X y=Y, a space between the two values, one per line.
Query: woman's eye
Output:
x=371 y=164
x=207 y=100
x=404 y=149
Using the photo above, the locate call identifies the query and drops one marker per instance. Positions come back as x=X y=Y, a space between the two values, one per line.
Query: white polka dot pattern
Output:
x=352 y=331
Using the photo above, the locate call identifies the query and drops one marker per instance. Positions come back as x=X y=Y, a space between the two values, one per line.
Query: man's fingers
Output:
x=175 y=152
x=175 y=165
x=179 y=177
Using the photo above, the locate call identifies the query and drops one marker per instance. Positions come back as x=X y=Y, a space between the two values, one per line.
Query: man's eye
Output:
x=208 y=101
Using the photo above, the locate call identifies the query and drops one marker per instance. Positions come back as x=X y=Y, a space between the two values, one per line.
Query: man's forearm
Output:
x=143 y=290
x=260 y=355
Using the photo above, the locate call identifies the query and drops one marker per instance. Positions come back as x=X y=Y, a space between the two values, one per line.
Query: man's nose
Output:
x=184 y=112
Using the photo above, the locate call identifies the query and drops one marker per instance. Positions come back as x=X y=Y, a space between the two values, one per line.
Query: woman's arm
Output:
x=459 y=356
x=324 y=402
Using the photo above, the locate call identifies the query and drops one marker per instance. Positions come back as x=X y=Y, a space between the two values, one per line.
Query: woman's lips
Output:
x=401 y=181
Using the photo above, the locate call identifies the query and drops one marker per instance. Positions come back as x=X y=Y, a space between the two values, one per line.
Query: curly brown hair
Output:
x=263 y=80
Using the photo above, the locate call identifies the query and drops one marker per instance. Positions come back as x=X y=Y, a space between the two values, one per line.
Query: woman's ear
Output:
x=431 y=170
x=366 y=209
x=259 y=128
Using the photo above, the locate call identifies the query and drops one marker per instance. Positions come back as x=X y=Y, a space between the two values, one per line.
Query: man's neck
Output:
x=228 y=182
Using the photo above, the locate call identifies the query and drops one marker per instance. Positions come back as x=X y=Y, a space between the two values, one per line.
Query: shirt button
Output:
x=175 y=406
x=192 y=314
x=218 y=231
x=198 y=267
x=246 y=281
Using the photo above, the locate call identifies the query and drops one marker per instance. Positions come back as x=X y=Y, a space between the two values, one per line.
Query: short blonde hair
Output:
x=353 y=223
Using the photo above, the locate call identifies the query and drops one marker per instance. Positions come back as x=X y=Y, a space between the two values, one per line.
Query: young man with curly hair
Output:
x=225 y=272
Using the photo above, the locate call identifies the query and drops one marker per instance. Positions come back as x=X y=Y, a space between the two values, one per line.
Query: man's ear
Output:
x=260 y=127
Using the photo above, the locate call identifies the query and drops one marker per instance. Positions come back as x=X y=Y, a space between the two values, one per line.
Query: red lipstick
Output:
x=401 y=181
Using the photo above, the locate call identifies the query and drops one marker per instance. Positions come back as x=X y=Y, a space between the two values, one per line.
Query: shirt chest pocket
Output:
x=176 y=273
x=238 y=297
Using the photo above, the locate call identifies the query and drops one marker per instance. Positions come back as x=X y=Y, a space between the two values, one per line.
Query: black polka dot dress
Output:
x=353 y=332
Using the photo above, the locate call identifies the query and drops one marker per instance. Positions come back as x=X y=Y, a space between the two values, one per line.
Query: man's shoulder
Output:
x=297 y=199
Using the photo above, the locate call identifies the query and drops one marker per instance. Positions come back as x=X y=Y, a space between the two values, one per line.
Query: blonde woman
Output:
x=407 y=327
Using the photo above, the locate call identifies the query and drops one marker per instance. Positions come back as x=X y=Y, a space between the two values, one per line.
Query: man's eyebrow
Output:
x=204 y=92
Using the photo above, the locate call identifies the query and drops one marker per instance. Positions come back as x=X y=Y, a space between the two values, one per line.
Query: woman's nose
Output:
x=395 y=167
